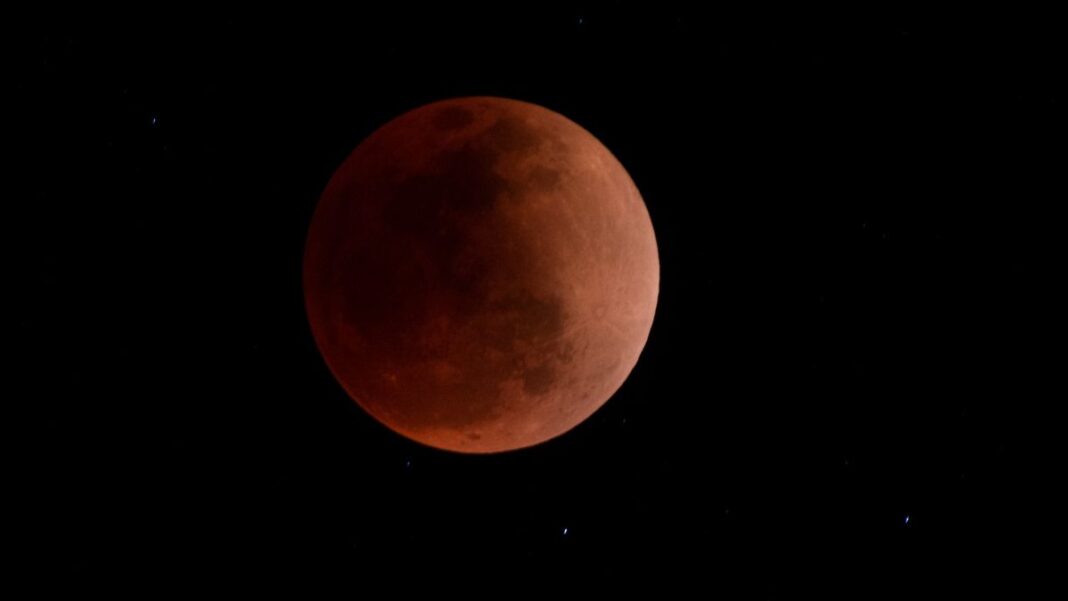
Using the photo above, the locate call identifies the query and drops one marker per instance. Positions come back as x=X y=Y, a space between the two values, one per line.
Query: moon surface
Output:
x=481 y=274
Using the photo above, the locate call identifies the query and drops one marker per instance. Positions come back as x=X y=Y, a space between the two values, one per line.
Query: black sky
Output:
x=841 y=391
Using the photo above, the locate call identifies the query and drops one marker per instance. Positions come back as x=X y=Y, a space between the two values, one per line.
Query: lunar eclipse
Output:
x=481 y=274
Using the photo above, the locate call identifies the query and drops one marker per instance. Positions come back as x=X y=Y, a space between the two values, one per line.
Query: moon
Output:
x=481 y=274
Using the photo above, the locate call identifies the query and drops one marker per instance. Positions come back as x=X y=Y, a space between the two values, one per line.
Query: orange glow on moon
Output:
x=481 y=274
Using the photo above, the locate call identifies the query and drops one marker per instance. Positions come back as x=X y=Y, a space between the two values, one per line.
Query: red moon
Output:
x=481 y=274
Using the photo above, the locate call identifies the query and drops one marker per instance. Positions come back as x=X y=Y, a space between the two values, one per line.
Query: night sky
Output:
x=841 y=392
